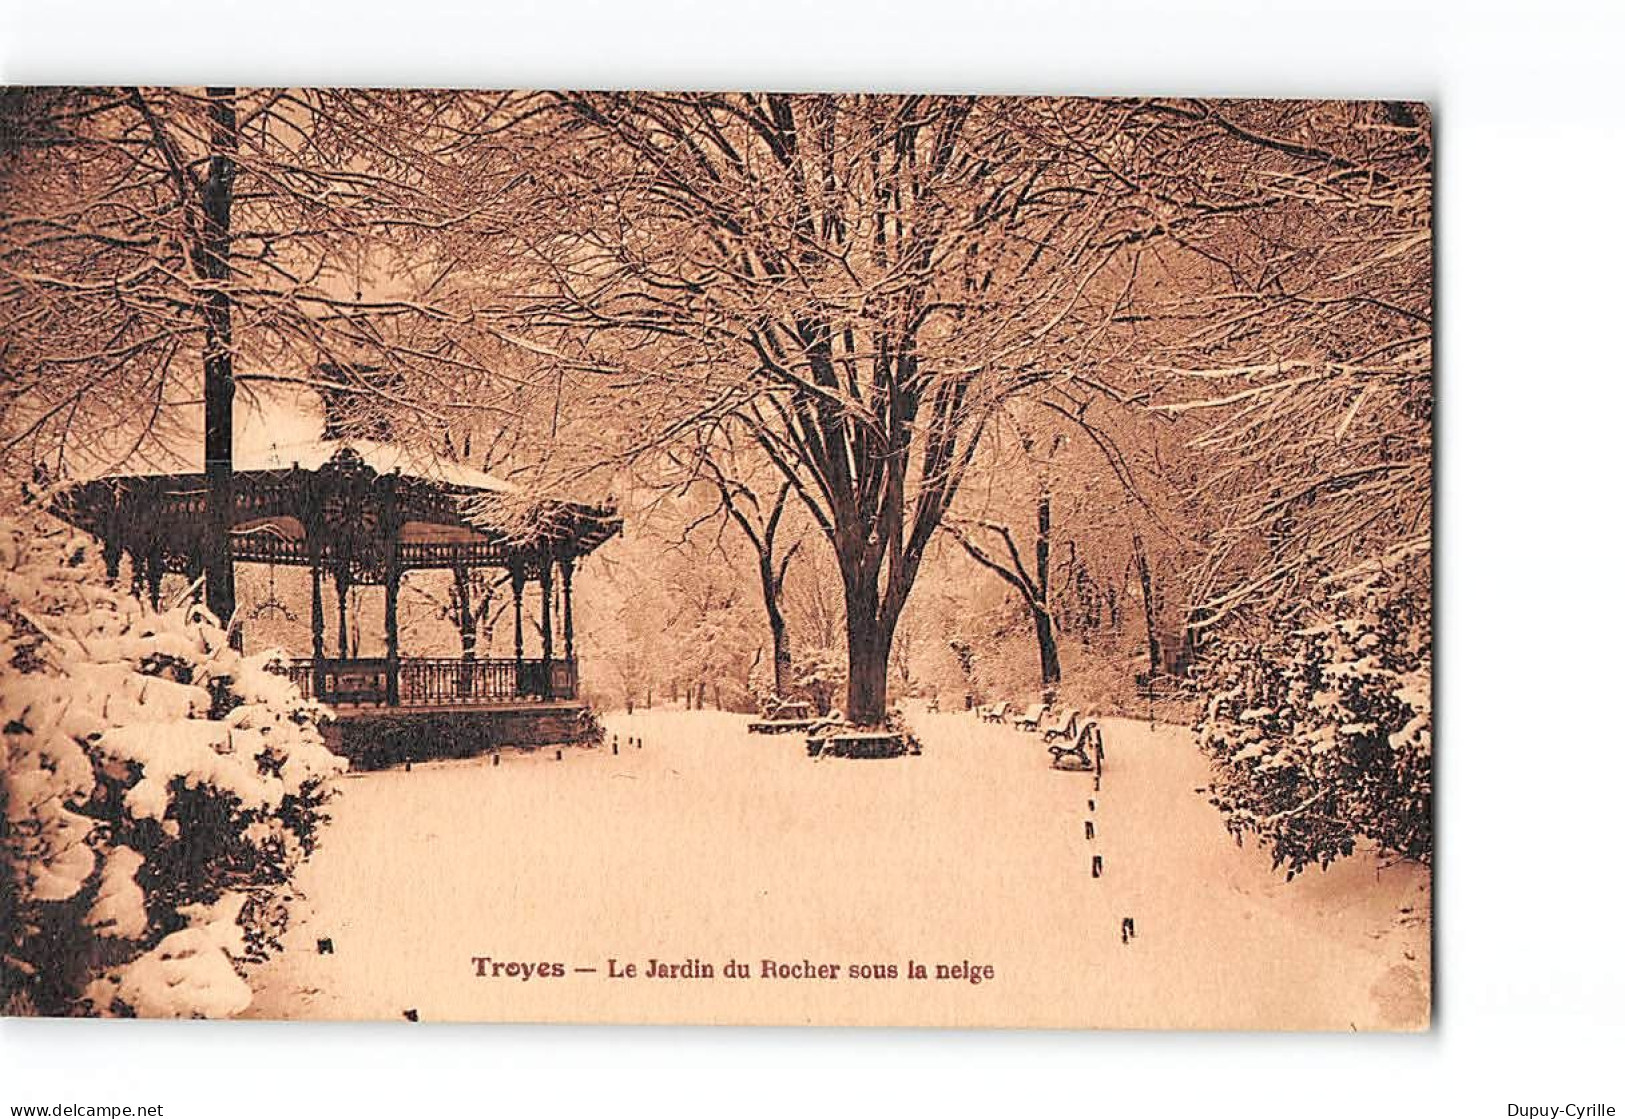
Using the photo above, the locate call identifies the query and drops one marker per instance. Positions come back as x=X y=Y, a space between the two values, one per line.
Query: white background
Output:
x=1528 y=973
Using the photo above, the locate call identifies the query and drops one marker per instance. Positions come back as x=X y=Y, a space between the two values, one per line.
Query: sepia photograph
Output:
x=717 y=558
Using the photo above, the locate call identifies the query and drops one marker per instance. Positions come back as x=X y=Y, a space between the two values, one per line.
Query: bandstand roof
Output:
x=385 y=458
x=338 y=504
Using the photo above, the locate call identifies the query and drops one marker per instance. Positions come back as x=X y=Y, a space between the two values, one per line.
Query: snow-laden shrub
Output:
x=158 y=788
x=1319 y=725
x=759 y=683
x=762 y=687
x=589 y=729
x=820 y=676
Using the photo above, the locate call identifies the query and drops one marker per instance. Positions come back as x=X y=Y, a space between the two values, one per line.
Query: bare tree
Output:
x=1086 y=481
x=993 y=545
x=162 y=249
x=1297 y=348
x=760 y=522
x=856 y=283
x=565 y=288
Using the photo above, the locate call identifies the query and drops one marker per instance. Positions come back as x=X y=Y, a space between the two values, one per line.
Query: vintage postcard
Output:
x=737 y=558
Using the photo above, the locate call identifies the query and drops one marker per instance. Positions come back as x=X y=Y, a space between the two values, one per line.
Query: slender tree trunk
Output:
x=1049 y=657
x=1049 y=660
x=769 y=570
x=341 y=583
x=781 y=652
x=1034 y=589
x=219 y=386
x=772 y=588
x=1154 y=652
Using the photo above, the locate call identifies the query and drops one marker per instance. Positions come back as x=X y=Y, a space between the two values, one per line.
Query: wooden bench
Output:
x=1160 y=686
x=1064 y=726
x=780 y=726
x=1086 y=747
x=1030 y=718
x=858 y=744
x=783 y=718
x=996 y=713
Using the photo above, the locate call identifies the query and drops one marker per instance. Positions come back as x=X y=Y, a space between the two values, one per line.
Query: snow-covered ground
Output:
x=713 y=844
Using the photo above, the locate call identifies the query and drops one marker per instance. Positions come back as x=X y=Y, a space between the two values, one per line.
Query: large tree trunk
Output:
x=867 y=655
x=781 y=657
x=868 y=652
x=1049 y=657
x=219 y=387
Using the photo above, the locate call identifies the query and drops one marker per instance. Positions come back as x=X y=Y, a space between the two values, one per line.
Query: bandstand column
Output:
x=112 y=555
x=392 y=629
x=392 y=592
x=547 y=628
x=566 y=570
x=155 y=577
x=517 y=576
x=317 y=622
x=341 y=584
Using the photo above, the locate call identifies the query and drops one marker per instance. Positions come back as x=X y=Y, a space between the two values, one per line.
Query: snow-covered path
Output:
x=712 y=844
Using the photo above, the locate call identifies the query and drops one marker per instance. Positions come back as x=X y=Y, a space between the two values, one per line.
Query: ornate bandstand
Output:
x=361 y=515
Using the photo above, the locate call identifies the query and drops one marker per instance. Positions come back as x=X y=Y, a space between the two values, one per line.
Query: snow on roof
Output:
x=385 y=458
x=276 y=427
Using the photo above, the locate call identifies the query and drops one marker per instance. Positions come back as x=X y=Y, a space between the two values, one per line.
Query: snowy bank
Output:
x=712 y=845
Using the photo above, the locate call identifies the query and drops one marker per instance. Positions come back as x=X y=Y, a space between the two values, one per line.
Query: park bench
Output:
x=1064 y=726
x=1030 y=718
x=775 y=708
x=780 y=726
x=782 y=716
x=859 y=744
x=1158 y=686
x=996 y=713
x=1085 y=747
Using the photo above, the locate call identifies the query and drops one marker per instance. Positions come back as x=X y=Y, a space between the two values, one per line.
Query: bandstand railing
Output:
x=434 y=681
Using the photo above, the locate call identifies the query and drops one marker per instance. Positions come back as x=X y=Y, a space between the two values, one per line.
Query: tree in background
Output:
x=164 y=249
x=743 y=503
x=855 y=283
x=1304 y=379
x=1030 y=580
x=1296 y=344
x=633 y=626
x=1093 y=485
